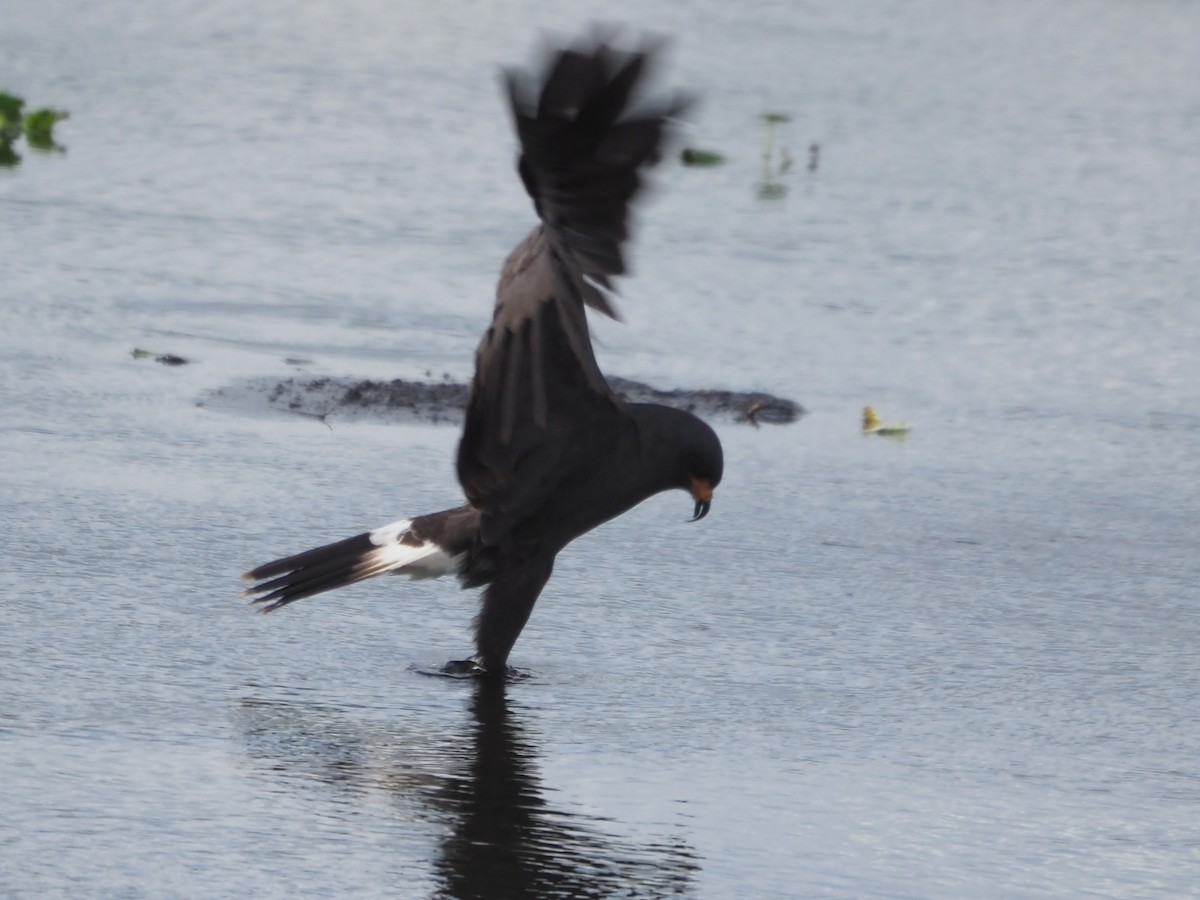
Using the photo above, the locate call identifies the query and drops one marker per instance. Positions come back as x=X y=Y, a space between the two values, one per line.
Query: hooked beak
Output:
x=702 y=493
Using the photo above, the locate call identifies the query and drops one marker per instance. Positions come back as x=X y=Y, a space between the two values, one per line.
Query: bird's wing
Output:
x=540 y=408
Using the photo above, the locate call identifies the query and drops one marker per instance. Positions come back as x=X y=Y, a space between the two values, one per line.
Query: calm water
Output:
x=964 y=665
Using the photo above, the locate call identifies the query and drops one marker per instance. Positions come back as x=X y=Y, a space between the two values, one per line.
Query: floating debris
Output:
x=694 y=156
x=871 y=424
x=167 y=359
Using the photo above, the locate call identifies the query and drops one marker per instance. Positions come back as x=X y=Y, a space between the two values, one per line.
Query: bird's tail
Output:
x=396 y=547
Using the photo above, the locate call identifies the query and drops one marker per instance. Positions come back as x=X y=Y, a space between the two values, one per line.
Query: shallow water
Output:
x=959 y=665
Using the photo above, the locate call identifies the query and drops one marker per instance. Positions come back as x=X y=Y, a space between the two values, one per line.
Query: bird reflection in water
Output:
x=502 y=839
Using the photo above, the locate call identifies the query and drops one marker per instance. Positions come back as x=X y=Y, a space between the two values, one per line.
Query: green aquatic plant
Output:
x=771 y=188
x=37 y=127
x=10 y=117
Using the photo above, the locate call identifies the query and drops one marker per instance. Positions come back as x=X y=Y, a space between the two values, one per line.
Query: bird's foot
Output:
x=456 y=668
x=464 y=668
x=471 y=668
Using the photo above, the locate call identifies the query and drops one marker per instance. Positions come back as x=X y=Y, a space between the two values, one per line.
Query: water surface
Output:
x=963 y=665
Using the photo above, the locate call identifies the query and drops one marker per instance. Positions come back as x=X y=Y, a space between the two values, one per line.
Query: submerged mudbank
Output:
x=443 y=402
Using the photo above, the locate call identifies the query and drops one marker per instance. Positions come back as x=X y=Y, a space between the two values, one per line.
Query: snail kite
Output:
x=548 y=451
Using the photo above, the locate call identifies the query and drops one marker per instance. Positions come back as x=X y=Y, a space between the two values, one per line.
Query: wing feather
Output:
x=540 y=408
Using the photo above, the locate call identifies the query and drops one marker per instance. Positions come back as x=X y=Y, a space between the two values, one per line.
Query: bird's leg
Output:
x=507 y=603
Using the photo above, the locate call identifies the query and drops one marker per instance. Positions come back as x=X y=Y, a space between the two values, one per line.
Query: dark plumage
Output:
x=548 y=451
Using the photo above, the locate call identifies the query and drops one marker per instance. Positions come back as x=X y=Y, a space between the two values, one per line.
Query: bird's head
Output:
x=680 y=451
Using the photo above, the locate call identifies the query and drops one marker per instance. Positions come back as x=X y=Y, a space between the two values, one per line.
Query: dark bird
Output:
x=548 y=450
